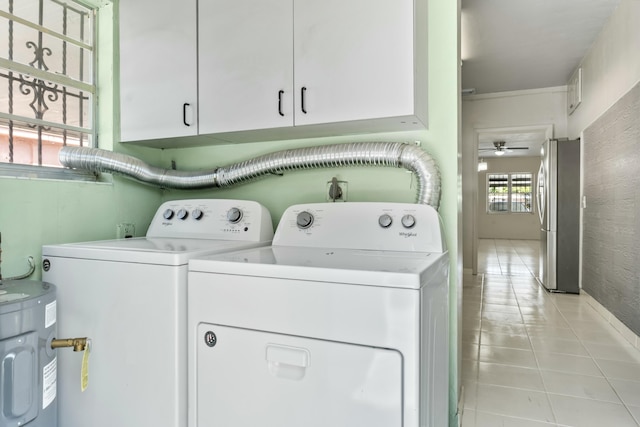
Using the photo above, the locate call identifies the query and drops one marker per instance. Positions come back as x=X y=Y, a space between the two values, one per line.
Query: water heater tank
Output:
x=27 y=363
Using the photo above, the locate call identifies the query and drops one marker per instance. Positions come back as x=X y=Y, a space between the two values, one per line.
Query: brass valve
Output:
x=78 y=344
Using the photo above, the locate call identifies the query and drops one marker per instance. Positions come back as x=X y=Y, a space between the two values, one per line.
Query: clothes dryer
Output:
x=129 y=296
x=342 y=322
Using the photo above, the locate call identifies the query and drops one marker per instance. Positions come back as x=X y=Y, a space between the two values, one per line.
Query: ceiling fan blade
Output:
x=517 y=148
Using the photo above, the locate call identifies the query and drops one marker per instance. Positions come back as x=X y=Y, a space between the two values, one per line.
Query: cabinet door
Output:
x=353 y=60
x=245 y=65
x=158 y=72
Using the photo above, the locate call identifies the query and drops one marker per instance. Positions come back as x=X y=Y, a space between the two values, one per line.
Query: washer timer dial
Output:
x=234 y=215
x=304 y=220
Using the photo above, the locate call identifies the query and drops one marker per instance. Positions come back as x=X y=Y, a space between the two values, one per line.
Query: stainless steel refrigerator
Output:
x=558 y=202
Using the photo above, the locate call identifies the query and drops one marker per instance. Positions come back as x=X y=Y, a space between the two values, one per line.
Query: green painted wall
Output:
x=37 y=212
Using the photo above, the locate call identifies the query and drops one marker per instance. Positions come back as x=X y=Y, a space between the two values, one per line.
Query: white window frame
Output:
x=509 y=193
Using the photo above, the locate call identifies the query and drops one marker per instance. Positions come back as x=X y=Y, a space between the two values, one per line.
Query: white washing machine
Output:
x=342 y=322
x=129 y=296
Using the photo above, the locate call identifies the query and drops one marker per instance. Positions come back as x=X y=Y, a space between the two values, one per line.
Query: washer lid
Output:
x=358 y=267
x=162 y=251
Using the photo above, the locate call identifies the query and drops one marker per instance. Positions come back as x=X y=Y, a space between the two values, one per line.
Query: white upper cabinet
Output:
x=246 y=65
x=353 y=60
x=158 y=74
x=271 y=69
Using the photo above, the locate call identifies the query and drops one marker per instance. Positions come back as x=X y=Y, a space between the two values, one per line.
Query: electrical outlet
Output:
x=125 y=230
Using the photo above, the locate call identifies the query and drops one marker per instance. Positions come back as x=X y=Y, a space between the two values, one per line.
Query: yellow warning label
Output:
x=84 y=374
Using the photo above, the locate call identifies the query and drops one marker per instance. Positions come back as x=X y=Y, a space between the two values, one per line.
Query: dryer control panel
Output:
x=212 y=219
x=367 y=226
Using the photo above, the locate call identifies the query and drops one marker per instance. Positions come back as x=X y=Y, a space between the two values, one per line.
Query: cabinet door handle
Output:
x=303 y=92
x=184 y=113
x=280 y=93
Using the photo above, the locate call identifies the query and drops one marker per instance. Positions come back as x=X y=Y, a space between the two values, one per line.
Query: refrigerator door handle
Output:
x=540 y=195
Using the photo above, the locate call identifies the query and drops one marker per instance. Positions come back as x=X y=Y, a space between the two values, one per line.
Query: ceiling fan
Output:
x=500 y=148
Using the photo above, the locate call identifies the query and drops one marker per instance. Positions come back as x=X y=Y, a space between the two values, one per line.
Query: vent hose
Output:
x=387 y=154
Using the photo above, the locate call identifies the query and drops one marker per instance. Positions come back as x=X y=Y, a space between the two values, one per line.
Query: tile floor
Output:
x=533 y=359
x=508 y=257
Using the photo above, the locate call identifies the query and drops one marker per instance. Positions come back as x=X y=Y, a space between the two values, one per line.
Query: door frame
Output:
x=477 y=133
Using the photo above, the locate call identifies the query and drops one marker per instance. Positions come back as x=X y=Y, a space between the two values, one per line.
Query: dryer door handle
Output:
x=287 y=362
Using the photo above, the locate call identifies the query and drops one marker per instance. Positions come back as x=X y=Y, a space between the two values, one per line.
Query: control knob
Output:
x=197 y=214
x=304 y=220
x=182 y=214
x=168 y=214
x=385 y=220
x=408 y=221
x=234 y=215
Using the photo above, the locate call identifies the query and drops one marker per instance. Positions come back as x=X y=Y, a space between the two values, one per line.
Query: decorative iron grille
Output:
x=46 y=79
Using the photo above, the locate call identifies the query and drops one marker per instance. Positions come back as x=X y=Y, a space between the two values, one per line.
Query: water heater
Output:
x=28 y=368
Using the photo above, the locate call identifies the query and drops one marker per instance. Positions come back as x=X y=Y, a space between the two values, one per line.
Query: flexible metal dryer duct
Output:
x=389 y=154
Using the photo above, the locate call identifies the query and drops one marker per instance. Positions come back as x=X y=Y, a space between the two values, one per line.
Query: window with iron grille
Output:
x=509 y=192
x=47 y=87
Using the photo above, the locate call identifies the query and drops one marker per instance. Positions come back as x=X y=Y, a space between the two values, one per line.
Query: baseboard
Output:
x=627 y=333
x=461 y=406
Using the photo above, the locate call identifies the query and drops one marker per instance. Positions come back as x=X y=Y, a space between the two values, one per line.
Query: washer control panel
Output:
x=212 y=219
x=367 y=226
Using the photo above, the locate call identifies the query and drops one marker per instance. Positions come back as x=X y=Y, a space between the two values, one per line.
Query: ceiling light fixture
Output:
x=500 y=152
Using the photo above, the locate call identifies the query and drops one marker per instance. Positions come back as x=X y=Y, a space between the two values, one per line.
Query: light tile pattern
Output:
x=508 y=257
x=533 y=359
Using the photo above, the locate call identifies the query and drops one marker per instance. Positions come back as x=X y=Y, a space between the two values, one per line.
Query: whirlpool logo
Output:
x=407 y=234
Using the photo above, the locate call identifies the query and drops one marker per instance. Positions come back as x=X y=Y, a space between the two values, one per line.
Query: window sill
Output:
x=8 y=170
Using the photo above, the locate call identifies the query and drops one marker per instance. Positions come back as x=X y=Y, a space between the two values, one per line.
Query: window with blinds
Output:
x=509 y=193
x=47 y=84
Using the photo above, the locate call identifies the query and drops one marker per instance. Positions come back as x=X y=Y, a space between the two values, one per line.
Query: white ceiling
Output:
x=515 y=140
x=526 y=44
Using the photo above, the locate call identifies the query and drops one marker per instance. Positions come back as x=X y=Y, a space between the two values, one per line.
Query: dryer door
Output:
x=251 y=378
